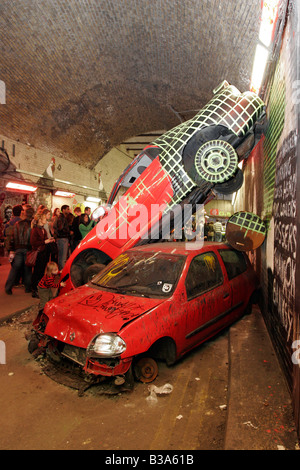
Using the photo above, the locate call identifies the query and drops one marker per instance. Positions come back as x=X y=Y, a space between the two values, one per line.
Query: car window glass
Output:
x=204 y=274
x=234 y=261
x=149 y=274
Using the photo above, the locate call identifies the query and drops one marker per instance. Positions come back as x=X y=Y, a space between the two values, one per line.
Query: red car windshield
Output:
x=142 y=274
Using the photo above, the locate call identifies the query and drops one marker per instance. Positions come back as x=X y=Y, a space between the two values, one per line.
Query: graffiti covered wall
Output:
x=271 y=190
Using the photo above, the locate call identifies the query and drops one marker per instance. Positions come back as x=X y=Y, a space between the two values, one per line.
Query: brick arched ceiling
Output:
x=82 y=76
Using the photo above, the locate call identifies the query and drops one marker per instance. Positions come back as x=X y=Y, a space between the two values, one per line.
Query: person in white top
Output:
x=218 y=231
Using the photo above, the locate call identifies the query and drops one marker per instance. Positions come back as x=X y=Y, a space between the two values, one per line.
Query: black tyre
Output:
x=91 y=271
x=232 y=185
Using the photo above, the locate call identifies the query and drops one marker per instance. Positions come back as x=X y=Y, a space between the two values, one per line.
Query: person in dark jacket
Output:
x=39 y=241
x=19 y=245
x=75 y=229
x=62 y=234
x=8 y=229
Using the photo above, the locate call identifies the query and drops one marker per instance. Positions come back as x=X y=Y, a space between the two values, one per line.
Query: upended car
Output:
x=152 y=303
x=185 y=166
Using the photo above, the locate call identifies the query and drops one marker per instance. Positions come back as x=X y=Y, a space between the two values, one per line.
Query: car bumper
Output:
x=107 y=367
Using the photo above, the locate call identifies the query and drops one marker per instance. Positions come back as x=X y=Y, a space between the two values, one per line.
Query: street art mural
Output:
x=285 y=232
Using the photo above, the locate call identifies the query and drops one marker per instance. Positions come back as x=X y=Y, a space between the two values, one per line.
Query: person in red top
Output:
x=47 y=287
x=39 y=241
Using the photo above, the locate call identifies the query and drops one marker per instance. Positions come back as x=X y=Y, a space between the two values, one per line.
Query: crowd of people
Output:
x=213 y=232
x=52 y=237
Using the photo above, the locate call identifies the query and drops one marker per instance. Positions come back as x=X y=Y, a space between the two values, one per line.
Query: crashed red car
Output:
x=180 y=168
x=153 y=302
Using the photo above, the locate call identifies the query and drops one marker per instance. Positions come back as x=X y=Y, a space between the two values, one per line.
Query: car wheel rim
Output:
x=216 y=161
x=146 y=370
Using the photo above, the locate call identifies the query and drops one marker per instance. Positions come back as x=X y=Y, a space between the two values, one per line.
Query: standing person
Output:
x=211 y=232
x=19 y=245
x=70 y=218
x=52 y=219
x=48 y=226
x=218 y=230
x=56 y=213
x=39 y=241
x=85 y=225
x=87 y=210
x=75 y=229
x=62 y=235
x=8 y=229
x=206 y=231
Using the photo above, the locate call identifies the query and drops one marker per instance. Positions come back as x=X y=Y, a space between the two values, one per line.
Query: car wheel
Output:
x=91 y=271
x=232 y=185
x=216 y=161
x=146 y=370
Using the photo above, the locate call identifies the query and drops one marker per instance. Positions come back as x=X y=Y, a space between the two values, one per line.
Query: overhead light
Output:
x=64 y=194
x=266 y=31
x=268 y=21
x=93 y=199
x=233 y=198
x=21 y=187
x=260 y=61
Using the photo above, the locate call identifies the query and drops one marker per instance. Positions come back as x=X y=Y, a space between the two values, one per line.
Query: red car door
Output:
x=240 y=279
x=208 y=299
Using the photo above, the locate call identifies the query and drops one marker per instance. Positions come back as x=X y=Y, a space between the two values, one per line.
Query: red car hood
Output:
x=78 y=316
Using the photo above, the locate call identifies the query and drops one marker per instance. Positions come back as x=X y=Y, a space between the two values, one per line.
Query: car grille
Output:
x=75 y=354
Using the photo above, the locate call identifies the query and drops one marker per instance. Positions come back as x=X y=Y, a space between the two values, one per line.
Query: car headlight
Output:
x=106 y=345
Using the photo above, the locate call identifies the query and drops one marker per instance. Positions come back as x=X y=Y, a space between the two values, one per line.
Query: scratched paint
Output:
x=112 y=306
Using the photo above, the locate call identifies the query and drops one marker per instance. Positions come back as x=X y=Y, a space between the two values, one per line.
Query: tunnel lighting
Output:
x=93 y=199
x=260 y=61
x=21 y=187
x=268 y=21
x=233 y=198
x=64 y=194
x=267 y=26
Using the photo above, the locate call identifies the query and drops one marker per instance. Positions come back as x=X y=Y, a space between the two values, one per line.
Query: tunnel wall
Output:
x=272 y=190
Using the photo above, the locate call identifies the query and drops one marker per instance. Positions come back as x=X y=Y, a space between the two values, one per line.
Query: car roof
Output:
x=178 y=248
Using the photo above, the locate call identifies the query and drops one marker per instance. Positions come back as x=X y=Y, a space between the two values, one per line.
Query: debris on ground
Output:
x=154 y=391
x=23 y=320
